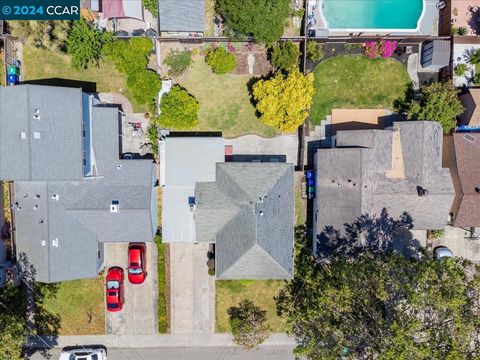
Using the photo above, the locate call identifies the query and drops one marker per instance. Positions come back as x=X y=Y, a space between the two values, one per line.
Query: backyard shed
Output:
x=435 y=54
x=181 y=16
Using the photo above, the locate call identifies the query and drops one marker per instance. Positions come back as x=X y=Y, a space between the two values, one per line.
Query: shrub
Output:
x=284 y=55
x=315 y=51
x=152 y=136
x=462 y=30
x=460 y=69
x=385 y=49
x=453 y=31
x=247 y=322
x=152 y=6
x=435 y=234
x=131 y=58
x=178 y=61
x=474 y=57
x=43 y=34
x=178 y=110
x=284 y=100
x=85 y=44
x=221 y=60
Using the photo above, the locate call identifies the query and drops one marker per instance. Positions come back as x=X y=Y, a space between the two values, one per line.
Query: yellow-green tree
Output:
x=284 y=100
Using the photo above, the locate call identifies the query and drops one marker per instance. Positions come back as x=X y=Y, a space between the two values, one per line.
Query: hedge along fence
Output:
x=131 y=58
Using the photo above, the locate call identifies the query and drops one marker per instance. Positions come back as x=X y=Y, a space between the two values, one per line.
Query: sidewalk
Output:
x=151 y=341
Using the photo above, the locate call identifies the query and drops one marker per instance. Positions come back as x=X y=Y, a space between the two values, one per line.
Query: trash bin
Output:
x=12 y=79
x=13 y=70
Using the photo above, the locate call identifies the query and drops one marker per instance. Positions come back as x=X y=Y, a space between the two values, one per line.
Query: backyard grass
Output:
x=45 y=64
x=162 y=296
x=300 y=210
x=80 y=306
x=355 y=81
x=224 y=102
x=230 y=292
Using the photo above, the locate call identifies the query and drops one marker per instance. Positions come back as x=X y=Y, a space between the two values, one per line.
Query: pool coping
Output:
x=417 y=29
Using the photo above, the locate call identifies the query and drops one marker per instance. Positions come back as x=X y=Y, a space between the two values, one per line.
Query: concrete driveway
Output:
x=139 y=313
x=286 y=145
x=192 y=299
x=458 y=240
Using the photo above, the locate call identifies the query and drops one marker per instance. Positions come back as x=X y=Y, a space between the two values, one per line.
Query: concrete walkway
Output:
x=192 y=303
x=412 y=69
x=286 y=145
x=117 y=99
x=152 y=341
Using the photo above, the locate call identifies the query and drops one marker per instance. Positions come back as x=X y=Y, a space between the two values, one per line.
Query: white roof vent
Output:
x=115 y=206
x=44 y=243
x=36 y=135
x=23 y=135
x=55 y=242
x=36 y=116
x=55 y=197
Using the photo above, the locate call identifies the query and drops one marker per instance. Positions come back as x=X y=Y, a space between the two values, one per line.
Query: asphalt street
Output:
x=203 y=353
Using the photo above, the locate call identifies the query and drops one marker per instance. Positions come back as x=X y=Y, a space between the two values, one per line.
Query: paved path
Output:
x=192 y=308
x=118 y=99
x=412 y=69
x=139 y=315
x=286 y=145
x=219 y=353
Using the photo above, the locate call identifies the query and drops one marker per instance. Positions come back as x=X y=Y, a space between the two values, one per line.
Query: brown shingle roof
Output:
x=471 y=103
x=467 y=153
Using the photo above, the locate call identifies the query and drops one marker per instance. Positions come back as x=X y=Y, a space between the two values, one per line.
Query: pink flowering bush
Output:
x=385 y=49
x=231 y=47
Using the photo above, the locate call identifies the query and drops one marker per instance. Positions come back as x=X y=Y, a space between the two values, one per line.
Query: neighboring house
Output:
x=71 y=191
x=466 y=209
x=181 y=17
x=245 y=208
x=471 y=104
x=399 y=169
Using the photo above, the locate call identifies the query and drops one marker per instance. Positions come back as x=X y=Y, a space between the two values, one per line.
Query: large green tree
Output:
x=438 y=102
x=262 y=19
x=377 y=303
x=284 y=55
x=248 y=324
x=178 y=110
x=85 y=44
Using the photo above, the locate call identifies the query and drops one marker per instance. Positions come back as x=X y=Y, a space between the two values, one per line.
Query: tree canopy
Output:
x=262 y=19
x=438 y=102
x=284 y=100
x=85 y=44
x=178 y=110
x=375 y=302
x=248 y=324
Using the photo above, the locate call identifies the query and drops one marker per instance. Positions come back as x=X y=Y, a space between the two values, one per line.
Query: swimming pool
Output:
x=373 y=15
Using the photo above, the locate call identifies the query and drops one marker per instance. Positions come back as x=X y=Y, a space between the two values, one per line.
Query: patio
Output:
x=461 y=53
x=466 y=14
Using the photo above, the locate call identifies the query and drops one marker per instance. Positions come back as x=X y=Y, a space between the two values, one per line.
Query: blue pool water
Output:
x=372 y=14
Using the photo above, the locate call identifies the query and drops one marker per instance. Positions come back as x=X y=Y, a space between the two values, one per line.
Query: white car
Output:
x=84 y=354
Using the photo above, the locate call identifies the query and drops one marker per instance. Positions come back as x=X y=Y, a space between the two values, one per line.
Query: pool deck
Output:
x=429 y=24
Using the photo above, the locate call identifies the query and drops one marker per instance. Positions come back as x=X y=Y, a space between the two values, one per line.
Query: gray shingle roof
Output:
x=351 y=181
x=42 y=126
x=78 y=218
x=181 y=15
x=249 y=213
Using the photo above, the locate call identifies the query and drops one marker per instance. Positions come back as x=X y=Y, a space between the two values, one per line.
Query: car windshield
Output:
x=112 y=306
x=134 y=264
x=135 y=271
x=113 y=284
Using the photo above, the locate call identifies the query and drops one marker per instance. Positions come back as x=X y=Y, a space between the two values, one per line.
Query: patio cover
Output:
x=122 y=9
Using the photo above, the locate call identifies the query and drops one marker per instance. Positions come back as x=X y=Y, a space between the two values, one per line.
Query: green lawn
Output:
x=355 y=81
x=45 y=64
x=80 y=305
x=224 y=102
x=162 y=296
x=230 y=292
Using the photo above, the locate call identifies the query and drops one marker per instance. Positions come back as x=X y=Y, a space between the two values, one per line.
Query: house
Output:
x=399 y=169
x=70 y=192
x=466 y=209
x=471 y=104
x=245 y=208
x=176 y=17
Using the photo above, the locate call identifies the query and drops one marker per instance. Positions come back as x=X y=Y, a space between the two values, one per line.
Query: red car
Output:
x=114 y=283
x=137 y=265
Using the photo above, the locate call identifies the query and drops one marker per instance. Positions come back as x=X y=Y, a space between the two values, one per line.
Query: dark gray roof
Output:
x=248 y=212
x=76 y=214
x=181 y=15
x=351 y=180
x=436 y=53
x=42 y=126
